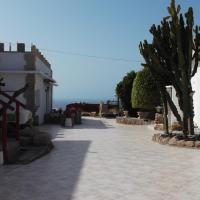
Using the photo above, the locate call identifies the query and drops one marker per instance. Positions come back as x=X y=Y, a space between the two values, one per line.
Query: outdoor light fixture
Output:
x=158 y=109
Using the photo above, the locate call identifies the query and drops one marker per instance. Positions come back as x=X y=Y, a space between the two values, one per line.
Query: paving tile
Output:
x=104 y=160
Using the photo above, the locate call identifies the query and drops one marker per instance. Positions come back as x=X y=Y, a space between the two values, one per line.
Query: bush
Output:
x=145 y=95
x=123 y=91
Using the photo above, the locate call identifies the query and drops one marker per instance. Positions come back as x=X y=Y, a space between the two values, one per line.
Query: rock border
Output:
x=173 y=140
x=133 y=121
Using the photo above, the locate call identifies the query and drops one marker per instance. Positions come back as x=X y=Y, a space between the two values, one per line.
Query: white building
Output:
x=196 y=100
x=196 y=97
x=20 y=67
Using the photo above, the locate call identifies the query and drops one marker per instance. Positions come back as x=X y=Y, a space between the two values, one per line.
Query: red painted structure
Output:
x=85 y=107
x=91 y=107
x=3 y=113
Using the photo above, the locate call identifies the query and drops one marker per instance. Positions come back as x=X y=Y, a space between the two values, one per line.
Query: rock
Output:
x=25 y=141
x=181 y=143
x=189 y=143
x=158 y=118
x=156 y=137
x=192 y=137
x=176 y=126
x=165 y=140
x=29 y=131
x=159 y=127
x=41 y=138
x=180 y=137
x=197 y=144
x=172 y=141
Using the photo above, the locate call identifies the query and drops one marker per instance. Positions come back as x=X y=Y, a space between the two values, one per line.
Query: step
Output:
x=13 y=151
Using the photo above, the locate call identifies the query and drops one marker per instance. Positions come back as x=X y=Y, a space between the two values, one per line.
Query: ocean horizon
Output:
x=61 y=103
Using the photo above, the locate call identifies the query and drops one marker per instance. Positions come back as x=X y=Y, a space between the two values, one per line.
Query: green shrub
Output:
x=123 y=92
x=145 y=95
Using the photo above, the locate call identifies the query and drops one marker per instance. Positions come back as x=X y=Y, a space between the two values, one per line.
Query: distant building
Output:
x=20 y=67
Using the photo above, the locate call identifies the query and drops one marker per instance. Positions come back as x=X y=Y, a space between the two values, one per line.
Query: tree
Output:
x=123 y=92
x=174 y=55
x=145 y=95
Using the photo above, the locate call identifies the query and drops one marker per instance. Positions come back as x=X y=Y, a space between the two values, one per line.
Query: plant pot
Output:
x=126 y=113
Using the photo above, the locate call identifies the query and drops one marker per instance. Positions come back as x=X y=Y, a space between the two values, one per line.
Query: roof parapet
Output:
x=36 y=51
x=20 y=47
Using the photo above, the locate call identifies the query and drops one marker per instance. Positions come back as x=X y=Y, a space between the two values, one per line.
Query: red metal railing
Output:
x=3 y=113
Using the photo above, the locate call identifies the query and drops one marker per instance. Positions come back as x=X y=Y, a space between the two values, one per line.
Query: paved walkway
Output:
x=101 y=160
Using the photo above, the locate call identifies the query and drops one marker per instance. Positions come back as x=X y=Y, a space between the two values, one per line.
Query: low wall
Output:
x=132 y=121
x=175 y=141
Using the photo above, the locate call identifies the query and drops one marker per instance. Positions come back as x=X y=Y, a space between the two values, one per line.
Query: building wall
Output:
x=40 y=98
x=12 y=61
x=36 y=96
x=196 y=97
x=43 y=100
x=43 y=91
x=171 y=116
x=14 y=82
x=41 y=67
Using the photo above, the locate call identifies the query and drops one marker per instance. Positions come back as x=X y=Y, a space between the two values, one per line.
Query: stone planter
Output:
x=174 y=141
x=126 y=113
x=132 y=121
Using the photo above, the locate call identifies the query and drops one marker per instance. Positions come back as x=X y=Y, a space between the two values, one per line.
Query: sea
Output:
x=61 y=103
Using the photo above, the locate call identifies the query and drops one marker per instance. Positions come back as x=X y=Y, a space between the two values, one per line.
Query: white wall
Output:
x=41 y=67
x=40 y=98
x=14 y=82
x=171 y=116
x=12 y=61
x=40 y=87
x=196 y=97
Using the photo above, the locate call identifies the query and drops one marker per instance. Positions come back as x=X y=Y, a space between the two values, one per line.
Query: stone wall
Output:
x=176 y=140
x=132 y=121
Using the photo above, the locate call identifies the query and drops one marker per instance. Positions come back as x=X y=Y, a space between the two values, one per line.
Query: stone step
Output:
x=13 y=151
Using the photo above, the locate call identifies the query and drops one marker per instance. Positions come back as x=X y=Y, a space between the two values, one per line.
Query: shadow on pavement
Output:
x=91 y=123
x=54 y=176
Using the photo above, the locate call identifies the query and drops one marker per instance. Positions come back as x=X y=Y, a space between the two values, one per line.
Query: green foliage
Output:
x=123 y=92
x=145 y=95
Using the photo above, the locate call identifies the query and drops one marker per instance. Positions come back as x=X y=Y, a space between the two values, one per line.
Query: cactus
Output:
x=169 y=57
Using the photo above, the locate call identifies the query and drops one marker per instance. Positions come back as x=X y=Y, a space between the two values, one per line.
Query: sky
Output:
x=102 y=28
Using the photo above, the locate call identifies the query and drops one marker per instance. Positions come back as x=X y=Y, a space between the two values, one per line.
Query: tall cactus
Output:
x=174 y=55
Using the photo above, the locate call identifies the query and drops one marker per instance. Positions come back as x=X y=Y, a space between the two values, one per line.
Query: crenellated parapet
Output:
x=38 y=54
x=21 y=48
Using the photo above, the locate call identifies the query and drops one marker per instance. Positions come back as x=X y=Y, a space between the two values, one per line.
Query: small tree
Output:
x=145 y=95
x=174 y=55
x=123 y=92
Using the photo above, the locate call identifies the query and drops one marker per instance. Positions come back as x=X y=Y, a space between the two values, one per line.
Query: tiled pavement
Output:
x=100 y=160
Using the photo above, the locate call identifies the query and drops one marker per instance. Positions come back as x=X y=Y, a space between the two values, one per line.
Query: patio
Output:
x=104 y=160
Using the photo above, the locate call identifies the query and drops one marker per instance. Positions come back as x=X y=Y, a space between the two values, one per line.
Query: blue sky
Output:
x=108 y=28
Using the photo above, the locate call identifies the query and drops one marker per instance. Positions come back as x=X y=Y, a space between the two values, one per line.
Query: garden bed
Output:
x=176 y=139
x=133 y=121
